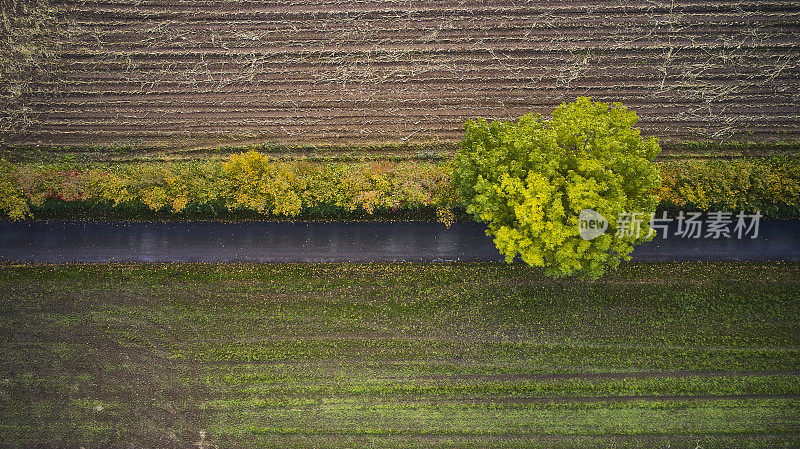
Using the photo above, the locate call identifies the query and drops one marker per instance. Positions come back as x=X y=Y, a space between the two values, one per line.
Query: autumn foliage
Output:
x=529 y=180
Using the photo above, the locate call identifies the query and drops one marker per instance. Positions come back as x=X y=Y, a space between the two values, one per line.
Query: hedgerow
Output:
x=12 y=198
x=243 y=182
x=770 y=185
x=284 y=189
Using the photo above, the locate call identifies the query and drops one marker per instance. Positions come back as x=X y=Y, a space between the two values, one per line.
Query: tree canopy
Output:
x=529 y=180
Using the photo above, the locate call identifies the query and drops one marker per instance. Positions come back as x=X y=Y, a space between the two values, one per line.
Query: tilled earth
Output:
x=333 y=72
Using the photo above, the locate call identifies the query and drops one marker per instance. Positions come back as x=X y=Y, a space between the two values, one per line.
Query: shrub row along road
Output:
x=337 y=72
x=58 y=242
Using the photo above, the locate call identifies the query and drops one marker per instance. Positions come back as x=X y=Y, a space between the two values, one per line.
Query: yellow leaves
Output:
x=177 y=190
x=732 y=185
x=445 y=216
x=251 y=164
x=179 y=204
x=530 y=179
x=511 y=241
x=367 y=188
x=12 y=198
x=253 y=182
x=108 y=186
x=155 y=197
x=288 y=204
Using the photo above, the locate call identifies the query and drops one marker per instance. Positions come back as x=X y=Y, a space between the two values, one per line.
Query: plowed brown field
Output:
x=335 y=72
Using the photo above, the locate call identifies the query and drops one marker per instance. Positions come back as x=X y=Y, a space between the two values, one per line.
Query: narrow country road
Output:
x=64 y=241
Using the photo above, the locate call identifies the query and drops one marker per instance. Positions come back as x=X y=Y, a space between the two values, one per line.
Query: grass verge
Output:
x=139 y=151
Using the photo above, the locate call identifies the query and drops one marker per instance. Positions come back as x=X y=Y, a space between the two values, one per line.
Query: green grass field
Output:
x=399 y=355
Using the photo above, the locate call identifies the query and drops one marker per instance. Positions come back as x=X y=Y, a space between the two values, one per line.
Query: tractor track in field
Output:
x=609 y=375
x=596 y=399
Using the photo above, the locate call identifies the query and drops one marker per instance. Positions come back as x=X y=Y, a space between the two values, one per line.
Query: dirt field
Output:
x=335 y=72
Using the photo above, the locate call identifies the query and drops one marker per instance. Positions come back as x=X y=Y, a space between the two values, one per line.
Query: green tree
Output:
x=529 y=180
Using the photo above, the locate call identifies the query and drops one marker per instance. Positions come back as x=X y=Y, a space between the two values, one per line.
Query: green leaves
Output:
x=530 y=179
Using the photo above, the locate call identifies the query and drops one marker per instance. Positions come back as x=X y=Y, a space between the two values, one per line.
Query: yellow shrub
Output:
x=108 y=186
x=252 y=182
x=12 y=198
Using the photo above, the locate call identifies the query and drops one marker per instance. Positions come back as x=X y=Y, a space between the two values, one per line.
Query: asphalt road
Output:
x=63 y=241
